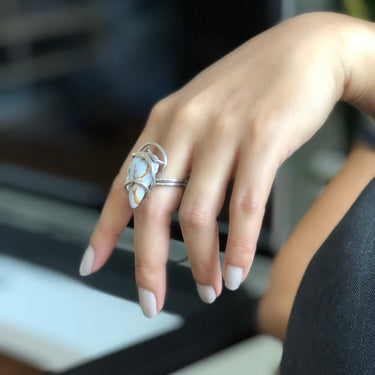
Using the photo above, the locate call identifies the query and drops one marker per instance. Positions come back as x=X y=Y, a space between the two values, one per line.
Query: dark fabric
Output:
x=365 y=132
x=331 y=330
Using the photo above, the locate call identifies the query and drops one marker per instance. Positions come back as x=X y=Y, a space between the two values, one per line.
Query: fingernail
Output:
x=233 y=277
x=87 y=262
x=147 y=301
x=206 y=292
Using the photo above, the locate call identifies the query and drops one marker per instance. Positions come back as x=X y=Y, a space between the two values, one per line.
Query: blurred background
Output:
x=78 y=78
x=77 y=81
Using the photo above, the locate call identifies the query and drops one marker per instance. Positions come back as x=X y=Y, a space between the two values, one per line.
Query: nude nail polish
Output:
x=206 y=292
x=233 y=277
x=87 y=261
x=147 y=301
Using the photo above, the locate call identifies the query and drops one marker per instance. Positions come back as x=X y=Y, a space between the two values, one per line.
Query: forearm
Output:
x=292 y=260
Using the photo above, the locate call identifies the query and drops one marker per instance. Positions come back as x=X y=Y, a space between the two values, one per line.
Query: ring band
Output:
x=171 y=182
x=144 y=171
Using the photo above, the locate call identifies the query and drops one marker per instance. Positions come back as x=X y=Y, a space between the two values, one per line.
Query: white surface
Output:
x=55 y=322
x=42 y=215
x=257 y=356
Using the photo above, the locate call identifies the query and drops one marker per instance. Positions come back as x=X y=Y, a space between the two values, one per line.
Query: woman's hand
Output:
x=240 y=118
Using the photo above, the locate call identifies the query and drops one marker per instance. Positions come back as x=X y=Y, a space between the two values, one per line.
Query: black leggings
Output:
x=331 y=330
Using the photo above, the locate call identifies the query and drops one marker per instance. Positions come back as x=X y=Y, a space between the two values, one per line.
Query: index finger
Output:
x=113 y=219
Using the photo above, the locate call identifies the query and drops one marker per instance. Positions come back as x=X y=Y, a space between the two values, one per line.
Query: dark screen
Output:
x=78 y=79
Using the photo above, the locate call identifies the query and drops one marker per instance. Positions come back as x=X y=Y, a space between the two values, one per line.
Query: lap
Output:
x=331 y=328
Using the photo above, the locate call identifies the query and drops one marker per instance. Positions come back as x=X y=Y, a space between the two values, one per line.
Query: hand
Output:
x=240 y=118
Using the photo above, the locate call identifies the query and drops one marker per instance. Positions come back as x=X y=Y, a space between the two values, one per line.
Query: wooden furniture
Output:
x=13 y=367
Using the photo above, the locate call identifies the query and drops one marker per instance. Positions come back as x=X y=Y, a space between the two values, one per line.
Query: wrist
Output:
x=357 y=53
x=348 y=46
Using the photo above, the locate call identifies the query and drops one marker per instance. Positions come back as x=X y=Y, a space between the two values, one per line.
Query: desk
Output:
x=205 y=329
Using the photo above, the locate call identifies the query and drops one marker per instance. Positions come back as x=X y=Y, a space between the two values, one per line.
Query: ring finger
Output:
x=200 y=206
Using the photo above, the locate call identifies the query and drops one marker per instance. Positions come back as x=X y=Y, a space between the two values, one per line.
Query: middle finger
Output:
x=152 y=228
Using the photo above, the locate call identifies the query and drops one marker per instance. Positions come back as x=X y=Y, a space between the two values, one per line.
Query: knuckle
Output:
x=242 y=246
x=104 y=231
x=160 y=109
x=195 y=216
x=226 y=120
x=188 y=111
x=223 y=128
x=202 y=269
x=179 y=131
x=152 y=210
x=263 y=130
x=243 y=250
x=246 y=202
x=151 y=270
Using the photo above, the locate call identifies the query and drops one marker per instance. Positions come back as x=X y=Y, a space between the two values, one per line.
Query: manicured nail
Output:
x=87 y=262
x=233 y=277
x=206 y=292
x=147 y=301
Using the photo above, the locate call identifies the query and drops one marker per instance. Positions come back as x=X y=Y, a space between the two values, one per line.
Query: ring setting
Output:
x=148 y=163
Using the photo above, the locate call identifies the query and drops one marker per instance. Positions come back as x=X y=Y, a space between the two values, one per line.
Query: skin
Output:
x=240 y=118
x=292 y=260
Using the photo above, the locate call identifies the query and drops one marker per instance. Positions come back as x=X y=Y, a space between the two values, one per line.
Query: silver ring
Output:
x=144 y=171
